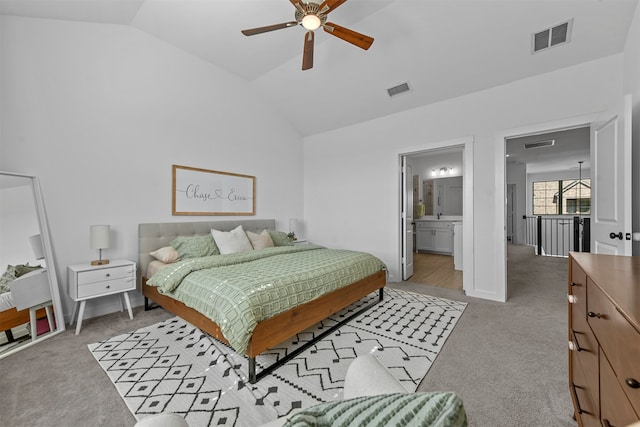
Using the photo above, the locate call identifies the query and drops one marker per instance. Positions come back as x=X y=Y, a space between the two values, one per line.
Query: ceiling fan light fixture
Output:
x=311 y=22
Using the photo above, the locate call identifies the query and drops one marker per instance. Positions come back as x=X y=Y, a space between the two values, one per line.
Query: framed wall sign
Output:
x=208 y=192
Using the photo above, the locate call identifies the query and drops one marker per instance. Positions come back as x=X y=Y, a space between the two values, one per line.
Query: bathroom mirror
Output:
x=443 y=196
x=30 y=307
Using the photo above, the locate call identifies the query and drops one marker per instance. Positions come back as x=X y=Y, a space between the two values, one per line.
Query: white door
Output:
x=611 y=181
x=407 y=220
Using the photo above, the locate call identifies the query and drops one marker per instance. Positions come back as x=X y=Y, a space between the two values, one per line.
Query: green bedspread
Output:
x=237 y=291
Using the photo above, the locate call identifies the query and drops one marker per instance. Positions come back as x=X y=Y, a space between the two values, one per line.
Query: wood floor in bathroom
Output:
x=436 y=270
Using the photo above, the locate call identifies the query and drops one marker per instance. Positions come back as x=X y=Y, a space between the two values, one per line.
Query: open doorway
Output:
x=436 y=212
x=547 y=187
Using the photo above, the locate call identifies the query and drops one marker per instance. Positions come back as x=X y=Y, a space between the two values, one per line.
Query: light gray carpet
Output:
x=508 y=361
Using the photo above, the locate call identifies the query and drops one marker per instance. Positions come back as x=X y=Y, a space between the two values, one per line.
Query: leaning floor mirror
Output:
x=30 y=307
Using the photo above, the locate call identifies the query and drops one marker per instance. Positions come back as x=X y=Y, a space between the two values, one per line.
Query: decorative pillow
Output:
x=22 y=269
x=280 y=238
x=400 y=409
x=8 y=276
x=260 y=241
x=195 y=246
x=233 y=241
x=168 y=254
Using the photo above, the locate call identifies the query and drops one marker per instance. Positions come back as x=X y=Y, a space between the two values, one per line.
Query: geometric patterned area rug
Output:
x=174 y=367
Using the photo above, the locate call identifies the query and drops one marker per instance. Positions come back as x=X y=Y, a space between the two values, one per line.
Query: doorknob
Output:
x=616 y=235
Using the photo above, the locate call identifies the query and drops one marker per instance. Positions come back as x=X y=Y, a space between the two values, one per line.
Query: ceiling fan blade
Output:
x=307 y=56
x=329 y=5
x=300 y=5
x=348 y=35
x=260 y=30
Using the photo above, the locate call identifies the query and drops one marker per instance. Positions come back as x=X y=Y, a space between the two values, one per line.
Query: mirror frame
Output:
x=51 y=267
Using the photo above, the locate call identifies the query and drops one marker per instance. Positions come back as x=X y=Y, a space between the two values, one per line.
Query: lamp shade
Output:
x=36 y=246
x=99 y=236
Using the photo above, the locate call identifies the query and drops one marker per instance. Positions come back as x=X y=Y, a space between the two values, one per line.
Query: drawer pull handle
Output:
x=633 y=383
x=575 y=396
x=108 y=286
x=592 y=314
x=575 y=340
x=107 y=275
x=576 y=284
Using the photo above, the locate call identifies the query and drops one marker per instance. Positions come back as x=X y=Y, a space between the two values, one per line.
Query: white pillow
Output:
x=260 y=241
x=233 y=241
x=168 y=254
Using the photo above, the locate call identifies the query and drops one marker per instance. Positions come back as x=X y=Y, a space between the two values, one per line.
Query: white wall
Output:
x=354 y=170
x=101 y=112
x=632 y=86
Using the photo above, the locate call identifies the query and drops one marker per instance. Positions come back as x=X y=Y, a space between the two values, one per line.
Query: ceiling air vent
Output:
x=540 y=144
x=396 y=90
x=549 y=37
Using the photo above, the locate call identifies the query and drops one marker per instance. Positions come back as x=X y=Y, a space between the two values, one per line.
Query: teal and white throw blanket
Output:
x=439 y=409
x=237 y=291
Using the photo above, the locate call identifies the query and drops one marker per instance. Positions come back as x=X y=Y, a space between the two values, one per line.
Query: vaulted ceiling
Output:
x=443 y=49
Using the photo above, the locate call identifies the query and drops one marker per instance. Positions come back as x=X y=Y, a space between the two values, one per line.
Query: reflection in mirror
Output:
x=443 y=196
x=30 y=308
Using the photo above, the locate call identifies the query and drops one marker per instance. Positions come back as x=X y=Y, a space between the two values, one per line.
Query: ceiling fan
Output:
x=312 y=16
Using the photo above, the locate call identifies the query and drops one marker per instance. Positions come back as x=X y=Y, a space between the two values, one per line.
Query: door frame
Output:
x=466 y=143
x=500 y=178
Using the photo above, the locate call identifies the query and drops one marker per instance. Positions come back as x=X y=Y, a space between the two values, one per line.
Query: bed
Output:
x=268 y=332
x=29 y=290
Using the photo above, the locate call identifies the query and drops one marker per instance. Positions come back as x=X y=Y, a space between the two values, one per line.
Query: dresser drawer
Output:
x=585 y=347
x=615 y=333
x=578 y=285
x=92 y=276
x=106 y=287
x=615 y=407
x=584 y=405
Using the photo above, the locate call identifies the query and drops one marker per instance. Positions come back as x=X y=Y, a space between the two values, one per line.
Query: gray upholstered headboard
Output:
x=156 y=235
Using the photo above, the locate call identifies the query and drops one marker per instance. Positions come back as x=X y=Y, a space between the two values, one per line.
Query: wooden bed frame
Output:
x=273 y=331
x=13 y=317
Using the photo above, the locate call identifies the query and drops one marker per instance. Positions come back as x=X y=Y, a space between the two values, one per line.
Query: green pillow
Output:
x=399 y=409
x=195 y=246
x=280 y=238
x=8 y=276
x=22 y=269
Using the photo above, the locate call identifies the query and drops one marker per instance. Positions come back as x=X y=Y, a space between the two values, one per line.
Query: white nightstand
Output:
x=88 y=281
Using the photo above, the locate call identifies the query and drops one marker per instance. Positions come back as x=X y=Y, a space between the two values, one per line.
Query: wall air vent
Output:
x=539 y=144
x=549 y=37
x=401 y=88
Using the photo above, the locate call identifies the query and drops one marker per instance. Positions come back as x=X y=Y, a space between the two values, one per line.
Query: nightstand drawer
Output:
x=92 y=276
x=106 y=287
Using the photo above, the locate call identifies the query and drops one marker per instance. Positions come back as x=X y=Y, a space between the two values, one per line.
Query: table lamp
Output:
x=36 y=246
x=100 y=240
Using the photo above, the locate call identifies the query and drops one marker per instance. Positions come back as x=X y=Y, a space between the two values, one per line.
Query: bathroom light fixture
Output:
x=99 y=236
x=442 y=171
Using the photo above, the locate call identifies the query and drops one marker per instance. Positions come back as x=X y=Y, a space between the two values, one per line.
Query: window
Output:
x=562 y=197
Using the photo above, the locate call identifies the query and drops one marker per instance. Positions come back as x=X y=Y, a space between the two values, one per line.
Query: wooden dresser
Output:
x=604 y=339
